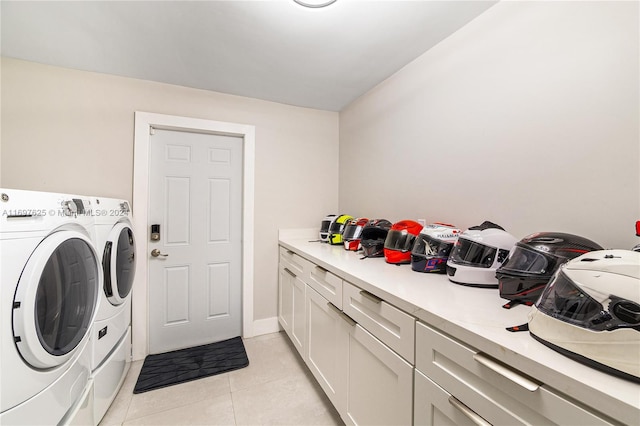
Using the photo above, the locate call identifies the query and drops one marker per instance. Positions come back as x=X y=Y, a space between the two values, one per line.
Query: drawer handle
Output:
x=371 y=297
x=289 y=252
x=334 y=308
x=289 y=272
x=344 y=316
x=518 y=379
x=468 y=412
x=321 y=269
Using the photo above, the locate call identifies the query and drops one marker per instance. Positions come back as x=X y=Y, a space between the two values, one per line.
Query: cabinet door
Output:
x=285 y=298
x=380 y=383
x=435 y=406
x=327 y=347
x=298 y=328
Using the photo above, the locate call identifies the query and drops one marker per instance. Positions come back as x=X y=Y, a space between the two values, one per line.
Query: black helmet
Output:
x=533 y=262
x=373 y=237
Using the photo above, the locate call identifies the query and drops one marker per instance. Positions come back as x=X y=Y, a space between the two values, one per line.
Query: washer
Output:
x=111 y=340
x=51 y=276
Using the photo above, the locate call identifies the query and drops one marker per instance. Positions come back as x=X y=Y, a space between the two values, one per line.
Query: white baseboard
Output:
x=265 y=326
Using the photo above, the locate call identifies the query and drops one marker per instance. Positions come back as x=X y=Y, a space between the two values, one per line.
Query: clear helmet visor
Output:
x=399 y=240
x=429 y=247
x=471 y=253
x=565 y=301
x=352 y=232
x=525 y=260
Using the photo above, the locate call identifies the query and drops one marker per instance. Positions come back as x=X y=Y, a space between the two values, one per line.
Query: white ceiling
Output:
x=274 y=50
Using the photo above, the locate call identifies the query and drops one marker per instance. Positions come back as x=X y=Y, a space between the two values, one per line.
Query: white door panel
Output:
x=195 y=184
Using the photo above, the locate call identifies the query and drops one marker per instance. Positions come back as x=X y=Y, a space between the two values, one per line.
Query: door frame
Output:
x=144 y=123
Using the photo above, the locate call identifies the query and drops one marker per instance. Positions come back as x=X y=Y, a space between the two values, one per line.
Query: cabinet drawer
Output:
x=295 y=263
x=495 y=391
x=327 y=284
x=433 y=405
x=389 y=324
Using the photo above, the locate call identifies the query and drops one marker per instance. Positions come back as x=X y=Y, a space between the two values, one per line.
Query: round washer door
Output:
x=56 y=299
x=119 y=263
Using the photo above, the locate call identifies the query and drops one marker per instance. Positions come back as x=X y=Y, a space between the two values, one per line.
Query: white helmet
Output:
x=590 y=311
x=479 y=251
x=433 y=246
x=325 y=225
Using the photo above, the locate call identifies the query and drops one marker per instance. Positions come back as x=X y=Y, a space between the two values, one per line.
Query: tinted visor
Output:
x=427 y=246
x=399 y=240
x=336 y=228
x=525 y=260
x=352 y=232
x=324 y=226
x=563 y=300
x=470 y=253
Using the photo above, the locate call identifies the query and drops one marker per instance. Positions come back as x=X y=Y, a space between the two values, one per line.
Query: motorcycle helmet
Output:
x=337 y=227
x=432 y=247
x=399 y=241
x=352 y=232
x=373 y=236
x=325 y=225
x=479 y=251
x=533 y=261
x=590 y=311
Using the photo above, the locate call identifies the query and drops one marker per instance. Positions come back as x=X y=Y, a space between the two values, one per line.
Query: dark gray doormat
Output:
x=183 y=365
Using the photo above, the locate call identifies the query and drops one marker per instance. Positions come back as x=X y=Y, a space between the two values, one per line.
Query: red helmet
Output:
x=352 y=233
x=399 y=241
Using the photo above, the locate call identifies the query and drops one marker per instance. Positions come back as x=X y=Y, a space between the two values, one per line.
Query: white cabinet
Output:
x=380 y=383
x=388 y=323
x=285 y=298
x=327 y=347
x=435 y=406
x=484 y=387
x=327 y=284
x=291 y=307
x=367 y=382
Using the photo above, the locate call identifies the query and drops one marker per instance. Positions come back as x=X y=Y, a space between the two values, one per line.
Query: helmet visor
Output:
x=427 y=246
x=470 y=253
x=324 y=226
x=352 y=232
x=336 y=227
x=523 y=259
x=564 y=300
x=399 y=240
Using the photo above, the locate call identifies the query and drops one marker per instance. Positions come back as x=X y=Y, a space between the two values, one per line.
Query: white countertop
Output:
x=474 y=316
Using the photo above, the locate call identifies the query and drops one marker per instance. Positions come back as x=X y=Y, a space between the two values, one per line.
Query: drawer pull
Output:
x=289 y=272
x=321 y=270
x=468 y=412
x=334 y=308
x=289 y=252
x=518 y=379
x=348 y=319
x=371 y=297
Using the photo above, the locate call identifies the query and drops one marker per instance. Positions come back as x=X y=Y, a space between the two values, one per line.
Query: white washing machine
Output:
x=111 y=341
x=50 y=279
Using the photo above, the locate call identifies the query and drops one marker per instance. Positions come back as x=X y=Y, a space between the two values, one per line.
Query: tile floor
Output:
x=275 y=389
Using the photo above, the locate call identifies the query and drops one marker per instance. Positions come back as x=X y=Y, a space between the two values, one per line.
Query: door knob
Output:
x=156 y=253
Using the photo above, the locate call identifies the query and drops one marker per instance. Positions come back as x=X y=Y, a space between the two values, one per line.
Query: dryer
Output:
x=51 y=275
x=111 y=340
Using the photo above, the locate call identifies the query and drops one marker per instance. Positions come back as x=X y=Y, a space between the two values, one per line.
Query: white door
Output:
x=195 y=196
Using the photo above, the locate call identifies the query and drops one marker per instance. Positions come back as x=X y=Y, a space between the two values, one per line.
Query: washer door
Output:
x=119 y=263
x=56 y=299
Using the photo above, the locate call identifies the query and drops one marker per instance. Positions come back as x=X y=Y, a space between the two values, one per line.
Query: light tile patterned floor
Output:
x=275 y=389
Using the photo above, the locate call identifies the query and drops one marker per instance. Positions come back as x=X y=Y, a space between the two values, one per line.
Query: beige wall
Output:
x=72 y=131
x=528 y=117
